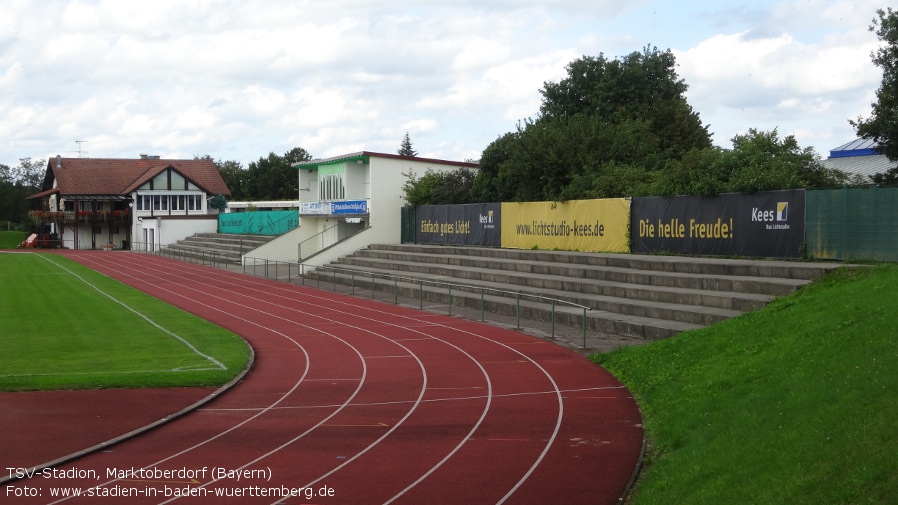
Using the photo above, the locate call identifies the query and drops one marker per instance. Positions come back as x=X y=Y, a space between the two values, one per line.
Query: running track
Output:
x=374 y=402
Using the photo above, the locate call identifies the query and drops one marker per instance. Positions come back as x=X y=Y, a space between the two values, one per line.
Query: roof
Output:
x=111 y=177
x=365 y=157
x=857 y=147
x=864 y=166
x=859 y=157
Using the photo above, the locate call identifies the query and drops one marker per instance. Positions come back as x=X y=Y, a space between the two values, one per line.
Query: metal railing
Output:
x=316 y=243
x=321 y=241
x=190 y=255
x=359 y=283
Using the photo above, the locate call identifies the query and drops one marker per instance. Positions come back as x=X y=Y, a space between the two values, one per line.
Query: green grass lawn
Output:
x=11 y=239
x=56 y=331
x=793 y=404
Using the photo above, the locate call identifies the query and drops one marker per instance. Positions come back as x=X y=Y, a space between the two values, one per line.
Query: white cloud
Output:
x=238 y=79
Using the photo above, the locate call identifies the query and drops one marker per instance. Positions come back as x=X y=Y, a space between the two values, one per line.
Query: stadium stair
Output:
x=225 y=247
x=647 y=297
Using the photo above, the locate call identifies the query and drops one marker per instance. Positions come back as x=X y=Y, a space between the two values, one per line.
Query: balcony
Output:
x=39 y=217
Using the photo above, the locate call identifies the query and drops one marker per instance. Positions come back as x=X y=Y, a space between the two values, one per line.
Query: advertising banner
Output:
x=334 y=208
x=765 y=225
x=476 y=224
x=350 y=207
x=273 y=222
x=578 y=225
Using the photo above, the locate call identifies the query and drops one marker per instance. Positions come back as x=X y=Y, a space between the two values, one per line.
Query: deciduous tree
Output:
x=882 y=125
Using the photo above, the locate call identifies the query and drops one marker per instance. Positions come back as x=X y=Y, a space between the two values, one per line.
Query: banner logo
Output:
x=782 y=211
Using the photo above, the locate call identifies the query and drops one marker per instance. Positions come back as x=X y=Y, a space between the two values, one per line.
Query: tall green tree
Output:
x=639 y=86
x=273 y=177
x=234 y=176
x=882 y=125
x=439 y=188
x=18 y=183
x=758 y=161
x=11 y=209
x=232 y=173
x=406 y=149
x=30 y=173
x=622 y=114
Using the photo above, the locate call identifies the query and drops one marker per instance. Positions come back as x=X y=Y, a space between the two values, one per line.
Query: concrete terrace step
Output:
x=655 y=263
x=681 y=312
x=227 y=246
x=550 y=274
x=642 y=327
x=570 y=287
x=631 y=295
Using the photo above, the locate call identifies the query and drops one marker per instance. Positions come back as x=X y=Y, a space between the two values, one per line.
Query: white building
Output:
x=349 y=202
x=142 y=203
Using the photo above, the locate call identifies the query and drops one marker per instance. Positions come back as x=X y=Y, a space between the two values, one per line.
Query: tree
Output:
x=882 y=125
x=232 y=173
x=218 y=202
x=619 y=116
x=10 y=206
x=273 y=177
x=406 y=148
x=886 y=179
x=640 y=86
x=758 y=161
x=30 y=173
x=439 y=188
x=16 y=184
x=234 y=176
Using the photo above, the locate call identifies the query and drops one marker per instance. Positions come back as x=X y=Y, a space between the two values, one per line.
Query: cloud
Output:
x=785 y=77
x=238 y=79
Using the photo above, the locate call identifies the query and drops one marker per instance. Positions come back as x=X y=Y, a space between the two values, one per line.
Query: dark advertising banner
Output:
x=764 y=225
x=473 y=224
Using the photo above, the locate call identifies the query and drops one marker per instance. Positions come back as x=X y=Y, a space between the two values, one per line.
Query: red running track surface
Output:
x=358 y=401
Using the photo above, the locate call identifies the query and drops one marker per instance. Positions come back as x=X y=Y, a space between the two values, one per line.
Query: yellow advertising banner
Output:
x=577 y=225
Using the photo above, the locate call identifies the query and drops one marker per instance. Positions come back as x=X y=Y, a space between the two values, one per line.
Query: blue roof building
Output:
x=859 y=157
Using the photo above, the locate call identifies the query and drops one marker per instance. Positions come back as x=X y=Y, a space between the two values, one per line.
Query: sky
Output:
x=240 y=79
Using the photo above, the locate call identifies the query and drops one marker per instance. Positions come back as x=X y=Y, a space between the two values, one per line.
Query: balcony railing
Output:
x=86 y=216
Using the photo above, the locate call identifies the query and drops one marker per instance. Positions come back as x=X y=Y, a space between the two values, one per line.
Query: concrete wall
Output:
x=387 y=179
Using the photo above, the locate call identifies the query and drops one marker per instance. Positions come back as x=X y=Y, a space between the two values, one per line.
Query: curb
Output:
x=139 y=431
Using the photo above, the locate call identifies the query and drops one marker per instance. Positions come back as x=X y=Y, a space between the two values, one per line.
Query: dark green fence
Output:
x=852 y=224
x=409 y=233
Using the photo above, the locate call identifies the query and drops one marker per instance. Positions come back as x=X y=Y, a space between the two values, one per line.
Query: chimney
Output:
x=58 y=162
x=143 y=156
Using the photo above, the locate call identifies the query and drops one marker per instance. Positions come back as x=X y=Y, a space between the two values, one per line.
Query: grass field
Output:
x=63 y=325
x=11 y=239
x=793 y=404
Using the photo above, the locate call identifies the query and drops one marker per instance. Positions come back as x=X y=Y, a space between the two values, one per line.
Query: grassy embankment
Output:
x=58 y=331
x=11 y=239
x=793 y=404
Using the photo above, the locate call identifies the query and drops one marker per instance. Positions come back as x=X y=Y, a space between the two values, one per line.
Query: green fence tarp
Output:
x=408 y=232
x=271 y=222
x=853 y=224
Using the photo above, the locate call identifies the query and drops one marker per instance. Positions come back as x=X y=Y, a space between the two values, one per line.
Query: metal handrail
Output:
x=323 y=247
x=518 y=295
x=319 y=235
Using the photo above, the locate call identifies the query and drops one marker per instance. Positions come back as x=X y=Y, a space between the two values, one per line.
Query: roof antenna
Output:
x=79 y=142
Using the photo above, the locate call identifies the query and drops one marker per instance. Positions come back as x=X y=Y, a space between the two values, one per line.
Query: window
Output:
x=168 y=202
x=331 y=187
